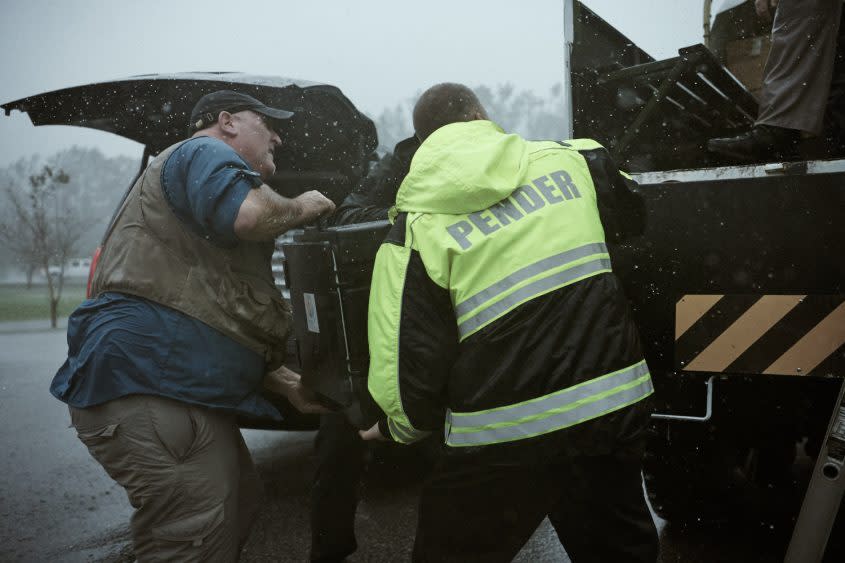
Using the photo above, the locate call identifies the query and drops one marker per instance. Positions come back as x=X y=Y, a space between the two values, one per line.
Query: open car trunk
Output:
x=327 y=143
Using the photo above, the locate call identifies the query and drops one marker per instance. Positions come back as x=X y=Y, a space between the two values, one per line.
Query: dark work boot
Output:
x=761 y=143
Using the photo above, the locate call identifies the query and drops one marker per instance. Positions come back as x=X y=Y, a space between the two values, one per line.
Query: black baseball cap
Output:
x=208 y=107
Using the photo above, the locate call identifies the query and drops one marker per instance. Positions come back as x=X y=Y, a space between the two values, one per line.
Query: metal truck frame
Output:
x=736 y=284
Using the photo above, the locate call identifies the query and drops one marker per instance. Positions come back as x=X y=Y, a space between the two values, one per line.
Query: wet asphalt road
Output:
x=57 y=504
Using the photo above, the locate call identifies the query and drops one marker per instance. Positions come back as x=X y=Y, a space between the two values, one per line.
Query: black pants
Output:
x=335 y=492
x=480 y=508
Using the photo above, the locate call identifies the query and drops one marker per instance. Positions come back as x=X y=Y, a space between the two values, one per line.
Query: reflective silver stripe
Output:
x=531 y=290
x=558 y=399
x=552 y=422
x=529 y=271
x=405 y=434
x=397 y=430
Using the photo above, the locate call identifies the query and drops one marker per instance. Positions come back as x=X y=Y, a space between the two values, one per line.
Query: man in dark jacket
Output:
x=494 y=314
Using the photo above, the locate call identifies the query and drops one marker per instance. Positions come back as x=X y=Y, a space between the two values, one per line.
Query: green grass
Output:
x=17 y=303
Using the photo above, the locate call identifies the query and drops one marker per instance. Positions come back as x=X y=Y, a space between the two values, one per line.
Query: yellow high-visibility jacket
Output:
x=494 y=313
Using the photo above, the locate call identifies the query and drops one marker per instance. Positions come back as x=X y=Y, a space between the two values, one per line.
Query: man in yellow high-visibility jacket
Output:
x=494 y=314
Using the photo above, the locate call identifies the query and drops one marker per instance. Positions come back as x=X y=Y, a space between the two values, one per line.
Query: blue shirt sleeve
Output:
x=206 y=181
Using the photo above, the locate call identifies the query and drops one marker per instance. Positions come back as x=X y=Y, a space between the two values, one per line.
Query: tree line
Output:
x=82 y=193
x=532 y=115
x=56 y=209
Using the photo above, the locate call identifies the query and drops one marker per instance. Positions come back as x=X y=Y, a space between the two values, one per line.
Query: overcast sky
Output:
x=378 y=52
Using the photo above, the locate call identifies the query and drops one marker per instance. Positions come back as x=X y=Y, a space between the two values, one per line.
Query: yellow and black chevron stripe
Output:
x=761 y=334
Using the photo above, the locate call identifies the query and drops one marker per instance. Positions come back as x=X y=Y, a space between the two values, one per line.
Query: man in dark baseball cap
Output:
x=185 y=329
x=208 y=108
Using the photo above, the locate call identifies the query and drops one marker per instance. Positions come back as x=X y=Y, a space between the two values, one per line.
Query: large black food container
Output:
x=328 y=274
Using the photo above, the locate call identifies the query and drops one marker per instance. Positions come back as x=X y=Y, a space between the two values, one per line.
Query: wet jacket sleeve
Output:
x=376 y=192
x=621 y=207
x=413 y=342
x=357 y=207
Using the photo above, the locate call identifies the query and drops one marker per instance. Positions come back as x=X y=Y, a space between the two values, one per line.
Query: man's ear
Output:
x=226 y=122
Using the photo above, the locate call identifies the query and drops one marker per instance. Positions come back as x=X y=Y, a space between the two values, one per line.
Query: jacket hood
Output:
x=462 y=168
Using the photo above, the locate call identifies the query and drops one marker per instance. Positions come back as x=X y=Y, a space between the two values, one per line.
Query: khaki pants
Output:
x=798 y=73
x=186 y=470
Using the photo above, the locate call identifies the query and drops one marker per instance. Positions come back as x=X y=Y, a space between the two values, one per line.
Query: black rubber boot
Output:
x=761 y=143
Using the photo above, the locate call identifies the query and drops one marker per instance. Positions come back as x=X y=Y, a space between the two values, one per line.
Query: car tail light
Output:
x=94 y=260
